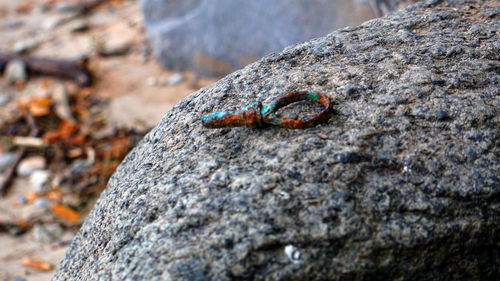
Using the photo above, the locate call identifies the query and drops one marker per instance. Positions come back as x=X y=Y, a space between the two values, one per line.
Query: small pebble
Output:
x=79 y=166
x=50 y=23
x=5 y=160
x=39 y=181
x=15 y=70
x=4 y=99
x=12 y=25
x=116 y=49
x=78 y=26
x=67 y=7
x=32 y=211
x=151 y=81
x=28 y=165
x=41 y=202
x=22 y=200
x=71 y=200
x=47 y=233
x=62 y=107
x=175 y=79
x=25 y=46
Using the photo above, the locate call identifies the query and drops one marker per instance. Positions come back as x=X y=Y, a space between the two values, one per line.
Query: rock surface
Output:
x=217 y=36
x=401 y=183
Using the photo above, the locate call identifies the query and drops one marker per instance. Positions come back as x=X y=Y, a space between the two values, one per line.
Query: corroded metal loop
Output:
x=257 y=115
x=271 y=118
x=249 y=116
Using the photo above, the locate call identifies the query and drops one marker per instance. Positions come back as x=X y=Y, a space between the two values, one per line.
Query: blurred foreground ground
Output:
x=82 y=133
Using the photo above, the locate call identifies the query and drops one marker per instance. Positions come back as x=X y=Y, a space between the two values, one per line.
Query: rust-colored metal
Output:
x=257 y=115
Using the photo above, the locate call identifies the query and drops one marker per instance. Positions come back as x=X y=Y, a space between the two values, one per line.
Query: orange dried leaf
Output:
x=51 y=2
x=24 y=7
x=20 y=84
x=40 y=106
x=66 y=213
x=115 y=3
x=23 y=223
x=120 y=147
x=81 y=111
x=54 y=195
x=39 y=111
x=78 y=140
x=66 y=129
x=46 y=82
x=31 y=196
x=37 y=264
x=42 y=101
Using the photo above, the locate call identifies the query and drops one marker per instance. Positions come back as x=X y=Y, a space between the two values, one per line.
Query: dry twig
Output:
x=75 y=70
x=9 y=173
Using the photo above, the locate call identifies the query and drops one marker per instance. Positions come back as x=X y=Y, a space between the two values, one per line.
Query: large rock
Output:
x=214 y=37
x=401 y=183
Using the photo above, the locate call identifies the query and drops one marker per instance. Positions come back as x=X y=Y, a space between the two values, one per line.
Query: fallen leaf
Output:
x=24 y=7
x=80 y=111
x=23 y=223
x=66 y=213
x=78 y=140
x=46 y=82
x=65 y=130
x=55 y=194
x=37 y=263
x=119 y=147
x=115 y=3
x=40 y=106
x=51 y=2
x=31 y=196
x=20 y=84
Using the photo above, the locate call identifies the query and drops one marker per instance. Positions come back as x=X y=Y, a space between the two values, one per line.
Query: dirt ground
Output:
x=136 y=92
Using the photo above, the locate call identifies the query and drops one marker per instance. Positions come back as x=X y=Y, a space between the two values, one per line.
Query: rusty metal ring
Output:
x=270 y=117
x=257 y=115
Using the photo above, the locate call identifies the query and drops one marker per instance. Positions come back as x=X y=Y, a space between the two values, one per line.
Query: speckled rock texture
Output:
x=401 y=183
x=215 y=37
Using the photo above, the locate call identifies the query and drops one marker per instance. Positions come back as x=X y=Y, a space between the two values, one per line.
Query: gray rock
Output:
x=215 y=37
x=25 y=45
x=380 y=191
x=14 y=71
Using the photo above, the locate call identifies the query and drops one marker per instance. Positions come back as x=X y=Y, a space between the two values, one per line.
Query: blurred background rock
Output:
x=215 y=37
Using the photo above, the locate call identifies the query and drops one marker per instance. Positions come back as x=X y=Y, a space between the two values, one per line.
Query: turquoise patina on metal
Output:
x=257 y=115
